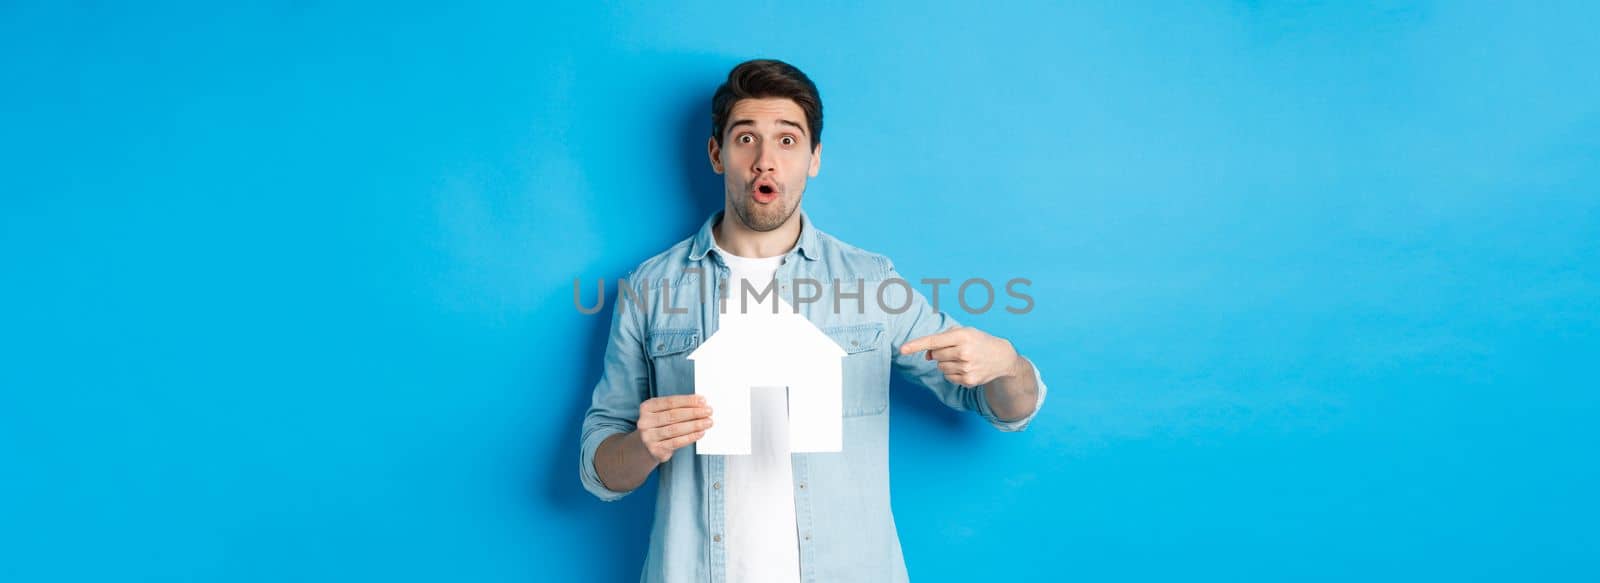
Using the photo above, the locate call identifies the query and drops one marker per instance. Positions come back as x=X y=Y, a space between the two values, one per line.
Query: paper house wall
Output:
x=770 y=350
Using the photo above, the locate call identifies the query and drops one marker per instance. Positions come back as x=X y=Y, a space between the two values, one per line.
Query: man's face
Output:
x=764 y=160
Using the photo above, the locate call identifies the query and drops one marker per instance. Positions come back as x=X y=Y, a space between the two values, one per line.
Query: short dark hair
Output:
x=764 y=78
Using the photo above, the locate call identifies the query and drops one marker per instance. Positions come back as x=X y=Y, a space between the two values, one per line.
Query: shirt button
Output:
x=718 y=538
x=716 y=485
x=808 y=536
x=661 y=347
x=802 y=485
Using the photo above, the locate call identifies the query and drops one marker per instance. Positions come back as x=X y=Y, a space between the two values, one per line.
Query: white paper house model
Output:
x=770 y=350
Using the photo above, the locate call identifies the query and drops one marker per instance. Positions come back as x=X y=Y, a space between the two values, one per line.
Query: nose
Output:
x=765 y=160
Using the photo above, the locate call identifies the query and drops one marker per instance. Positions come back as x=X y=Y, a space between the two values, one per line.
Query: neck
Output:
x=734 y=237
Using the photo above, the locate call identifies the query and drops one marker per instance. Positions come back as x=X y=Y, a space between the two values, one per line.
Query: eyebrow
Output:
x=751 y=122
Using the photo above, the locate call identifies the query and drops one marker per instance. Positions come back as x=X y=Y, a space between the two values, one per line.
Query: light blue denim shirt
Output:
x=846 y=529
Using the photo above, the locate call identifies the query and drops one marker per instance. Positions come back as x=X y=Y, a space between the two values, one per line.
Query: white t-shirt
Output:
x=758 y=489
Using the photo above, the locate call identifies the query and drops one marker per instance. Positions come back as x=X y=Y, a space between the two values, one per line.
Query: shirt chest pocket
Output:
x=865 y=368
x=671 y=371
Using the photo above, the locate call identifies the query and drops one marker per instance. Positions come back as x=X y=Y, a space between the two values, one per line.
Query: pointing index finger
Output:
x=931 y=342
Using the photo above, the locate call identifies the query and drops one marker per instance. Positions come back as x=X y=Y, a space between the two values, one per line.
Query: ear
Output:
x=816 y=160
x=715 y=153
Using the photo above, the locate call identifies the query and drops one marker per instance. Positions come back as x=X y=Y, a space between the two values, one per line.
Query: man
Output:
x=774 y=515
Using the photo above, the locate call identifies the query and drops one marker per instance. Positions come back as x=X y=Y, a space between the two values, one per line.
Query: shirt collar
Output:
x=704 y=240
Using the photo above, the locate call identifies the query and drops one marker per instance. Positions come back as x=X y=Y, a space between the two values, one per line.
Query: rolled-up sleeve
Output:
x=1019 y=424
x=920 y=319
x=614 y=407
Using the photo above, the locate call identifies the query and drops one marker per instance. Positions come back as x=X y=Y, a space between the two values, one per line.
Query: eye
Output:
x=747 y=139
x=788 y=140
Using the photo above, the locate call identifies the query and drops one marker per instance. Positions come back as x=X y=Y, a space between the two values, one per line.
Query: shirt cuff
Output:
x=586 y=469
x=1020 y=424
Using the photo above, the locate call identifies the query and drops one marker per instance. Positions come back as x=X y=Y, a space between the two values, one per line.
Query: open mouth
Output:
x=765 y=193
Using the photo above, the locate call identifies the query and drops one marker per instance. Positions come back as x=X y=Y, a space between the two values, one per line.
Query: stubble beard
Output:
x=763 y=218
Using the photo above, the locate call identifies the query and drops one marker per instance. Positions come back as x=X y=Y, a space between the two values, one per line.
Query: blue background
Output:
x=287 y=289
